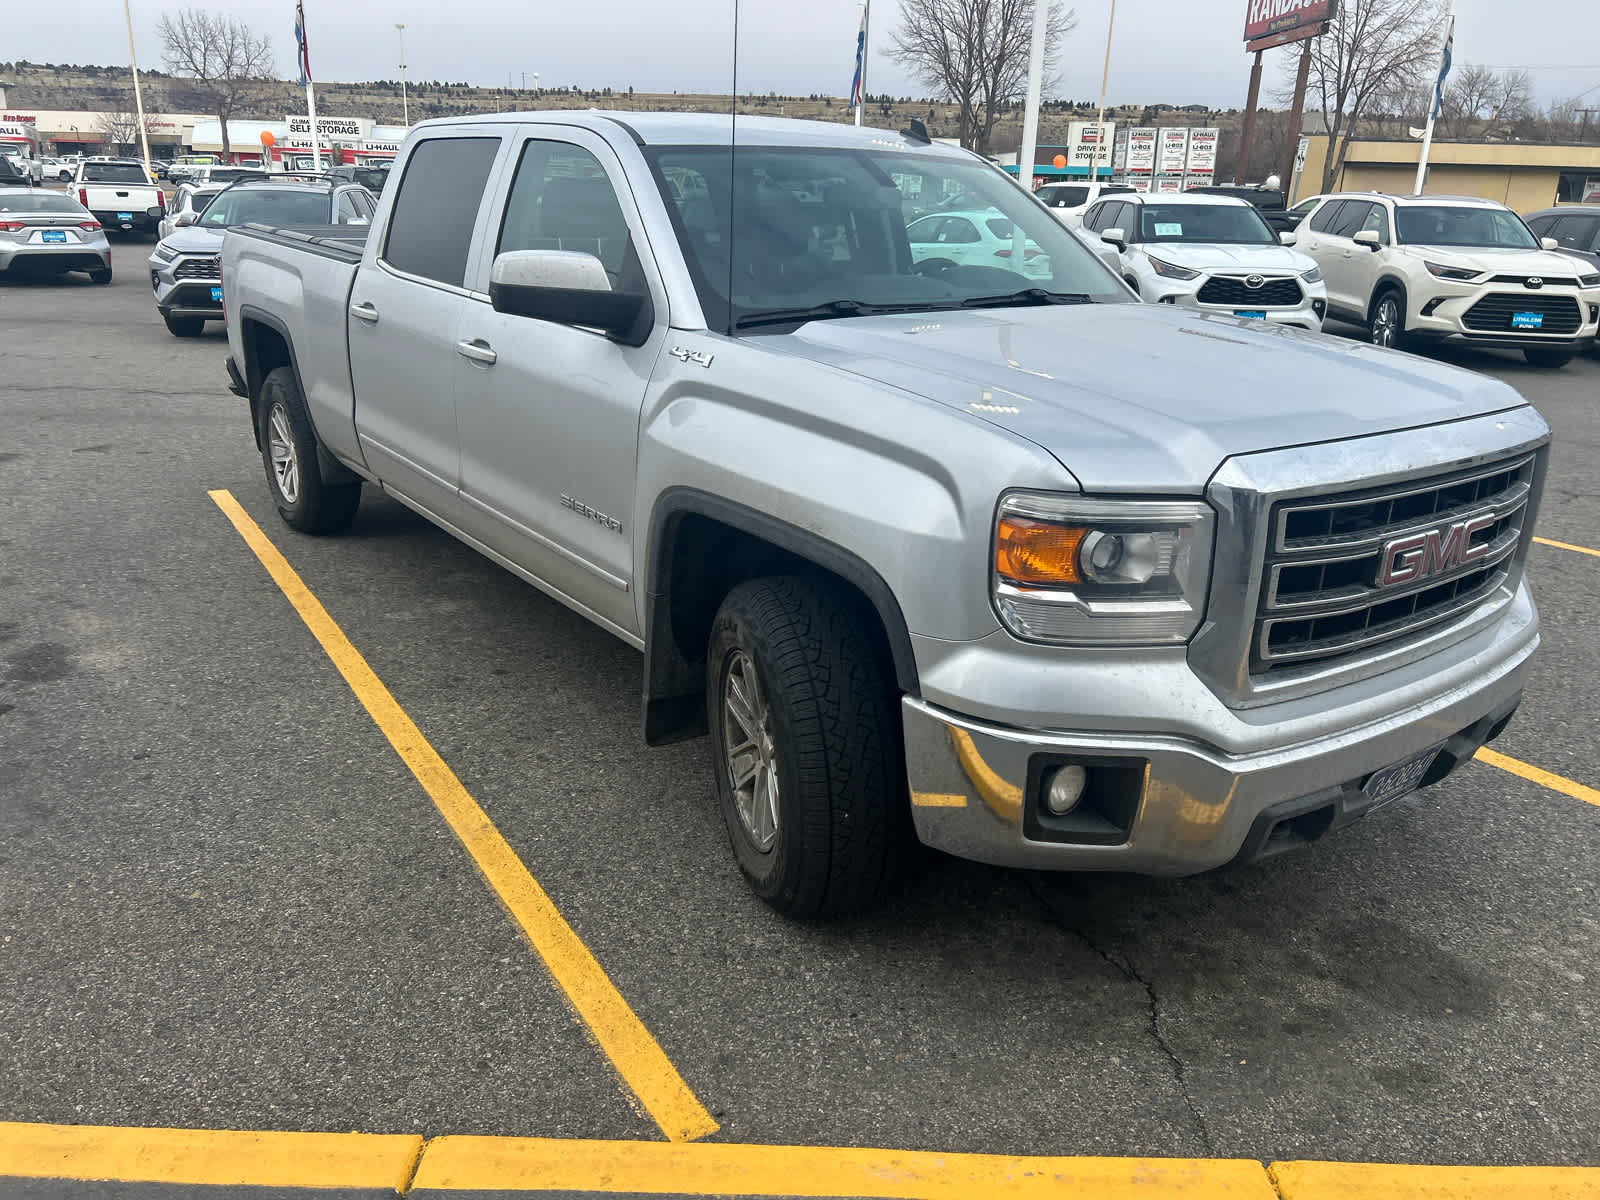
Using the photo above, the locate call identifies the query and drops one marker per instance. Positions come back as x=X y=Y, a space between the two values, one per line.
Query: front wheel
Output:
x=806 y=747
x=289 y=454
x=1547 y=358
x=1388 y=327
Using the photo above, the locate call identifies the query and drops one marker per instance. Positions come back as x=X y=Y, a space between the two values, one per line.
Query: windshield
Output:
x=114 y=173
x=41 y=202
x=267 y=206
x=1231 y=224
x=1064 y=195
x=859 y=231
x=1438 y=225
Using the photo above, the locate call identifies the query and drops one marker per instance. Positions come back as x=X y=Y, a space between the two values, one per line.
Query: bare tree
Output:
x=975 y=54
x=121 y=129
x=1477 y=98
x=228 y=63
x=1375 y=53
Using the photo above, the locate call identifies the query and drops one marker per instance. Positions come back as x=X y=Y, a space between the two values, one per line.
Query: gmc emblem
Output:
x=1420 y=556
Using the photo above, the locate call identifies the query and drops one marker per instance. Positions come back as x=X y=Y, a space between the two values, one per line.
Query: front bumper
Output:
x=184 y=297
x=1448 y=303
x=976 y=784
x=1308 y=314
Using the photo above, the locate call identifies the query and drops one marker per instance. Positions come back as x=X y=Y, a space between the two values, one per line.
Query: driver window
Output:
x=561 y=199
x=1377 y=221
x=345 y=213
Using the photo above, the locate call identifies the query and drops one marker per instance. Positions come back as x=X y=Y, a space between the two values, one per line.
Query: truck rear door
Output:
x=408 y=299
x=549 y=412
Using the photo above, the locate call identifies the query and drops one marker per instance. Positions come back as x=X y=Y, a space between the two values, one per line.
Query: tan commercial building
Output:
x=1520 y=175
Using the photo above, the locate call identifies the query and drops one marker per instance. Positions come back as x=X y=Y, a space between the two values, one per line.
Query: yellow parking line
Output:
x=938 y=800
x=1568 y=546
x=712 y=1168
x=208 y=1156
x=1556 y=783
x=1380 y=1181
x=640 y=1061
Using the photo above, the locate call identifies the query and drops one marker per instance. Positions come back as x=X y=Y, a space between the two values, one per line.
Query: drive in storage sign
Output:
x=1265 y=17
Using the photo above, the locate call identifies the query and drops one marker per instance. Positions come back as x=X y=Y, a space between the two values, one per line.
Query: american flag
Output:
x=304 y=54
x=857 y=100
x=1444 y=67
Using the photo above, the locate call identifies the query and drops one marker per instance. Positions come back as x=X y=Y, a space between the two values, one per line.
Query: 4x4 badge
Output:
x=698 y=357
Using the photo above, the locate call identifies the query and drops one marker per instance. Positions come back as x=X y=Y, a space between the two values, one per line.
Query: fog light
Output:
x=1066 y=789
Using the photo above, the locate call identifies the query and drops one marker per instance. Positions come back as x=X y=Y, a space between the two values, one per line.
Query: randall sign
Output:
x=1263 y=18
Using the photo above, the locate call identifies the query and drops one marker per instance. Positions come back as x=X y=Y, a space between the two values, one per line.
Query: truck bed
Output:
x=343 y=243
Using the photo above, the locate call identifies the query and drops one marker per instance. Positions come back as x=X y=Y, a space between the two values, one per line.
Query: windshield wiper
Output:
x=1025 y=296
x=823 y=312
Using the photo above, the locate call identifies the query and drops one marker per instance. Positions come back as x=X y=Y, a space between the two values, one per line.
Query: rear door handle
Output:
x=478 y=350
x=365 y=312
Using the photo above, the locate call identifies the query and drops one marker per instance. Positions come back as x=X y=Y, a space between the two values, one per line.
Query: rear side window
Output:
x=430 y=228
x=1322 y=220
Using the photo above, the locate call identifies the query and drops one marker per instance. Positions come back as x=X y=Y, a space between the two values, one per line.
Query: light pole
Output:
x=405 y=107
x=138 y=98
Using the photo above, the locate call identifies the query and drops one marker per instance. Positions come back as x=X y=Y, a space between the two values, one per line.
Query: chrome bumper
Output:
x=971 y=784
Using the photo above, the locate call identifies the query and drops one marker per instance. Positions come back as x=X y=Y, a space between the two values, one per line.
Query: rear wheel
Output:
x=1547 y=358
x=100 y=275
x=289 y=454
x=185 y=327
x=805 y=747
x=1388 y=324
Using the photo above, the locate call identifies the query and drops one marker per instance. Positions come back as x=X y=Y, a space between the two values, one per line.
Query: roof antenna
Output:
x=917 y=132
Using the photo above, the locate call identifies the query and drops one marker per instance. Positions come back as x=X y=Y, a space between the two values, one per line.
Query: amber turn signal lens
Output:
x=1037 y=552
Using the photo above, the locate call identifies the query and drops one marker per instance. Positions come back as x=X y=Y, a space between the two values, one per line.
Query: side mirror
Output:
x=1115 y=237
x=569 y=288
x=1549 y=243
x=1368 y=238
x=184 y=219
x=1286 y=238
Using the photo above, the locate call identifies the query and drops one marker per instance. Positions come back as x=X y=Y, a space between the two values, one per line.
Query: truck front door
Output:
x=549 y=413
x=406 y=304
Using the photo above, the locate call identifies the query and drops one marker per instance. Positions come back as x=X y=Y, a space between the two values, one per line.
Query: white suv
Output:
x=1067 y=202
x=1450 y=268
x=1208 y=252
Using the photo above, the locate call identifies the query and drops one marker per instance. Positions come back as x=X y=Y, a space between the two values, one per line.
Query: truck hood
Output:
x=1214 y=256
x=1145 y=398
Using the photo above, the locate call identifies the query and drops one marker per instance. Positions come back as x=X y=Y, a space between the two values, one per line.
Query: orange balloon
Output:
x=267 y=139
x=1059 y=161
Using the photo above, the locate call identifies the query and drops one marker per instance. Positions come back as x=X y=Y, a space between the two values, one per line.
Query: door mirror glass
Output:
x=1286 y=238
x=570 y=288
x=1367 y=237
x=1549 y=243
x=1115 y=237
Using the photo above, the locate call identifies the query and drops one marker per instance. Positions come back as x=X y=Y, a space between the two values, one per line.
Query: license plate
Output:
x=216 y=295
x=1255 y=314
x=1527 y=320
x=53 y=235
x=1393 y=782
x=124 y=216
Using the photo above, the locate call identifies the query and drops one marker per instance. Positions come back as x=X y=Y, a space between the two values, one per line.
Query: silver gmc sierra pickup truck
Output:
x=911 y=507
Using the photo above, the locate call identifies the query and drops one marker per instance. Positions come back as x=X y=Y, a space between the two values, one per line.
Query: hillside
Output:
x=35 y=85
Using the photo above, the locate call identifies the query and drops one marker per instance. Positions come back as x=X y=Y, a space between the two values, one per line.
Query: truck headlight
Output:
x=1312 y=276
x=1098 y=572
x=1444 y=272
x=165 y=252
x=1589 y=281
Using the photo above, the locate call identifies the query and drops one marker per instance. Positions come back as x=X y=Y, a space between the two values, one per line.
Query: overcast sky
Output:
x=1177 y=51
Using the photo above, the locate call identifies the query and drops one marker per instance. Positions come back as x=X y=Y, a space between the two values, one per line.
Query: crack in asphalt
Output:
x=1124 y=967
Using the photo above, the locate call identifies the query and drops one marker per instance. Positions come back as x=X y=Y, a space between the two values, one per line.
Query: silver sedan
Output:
x=48 y=233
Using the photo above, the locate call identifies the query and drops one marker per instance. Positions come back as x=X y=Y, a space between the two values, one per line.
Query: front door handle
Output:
x=478 y=350
x=365 y=311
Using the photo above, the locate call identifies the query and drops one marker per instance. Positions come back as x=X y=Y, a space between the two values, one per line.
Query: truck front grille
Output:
x=1493 y=314
x=1349 y=572
x=199 y=268
x=1233 y=293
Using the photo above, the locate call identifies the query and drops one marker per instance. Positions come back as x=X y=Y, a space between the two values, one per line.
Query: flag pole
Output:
x=303 y=44
x=859 y=97
x=1100 y=120
x=138 y=97
x=1436 y=101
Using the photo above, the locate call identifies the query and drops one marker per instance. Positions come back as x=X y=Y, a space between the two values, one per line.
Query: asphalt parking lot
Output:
x=226 y=903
